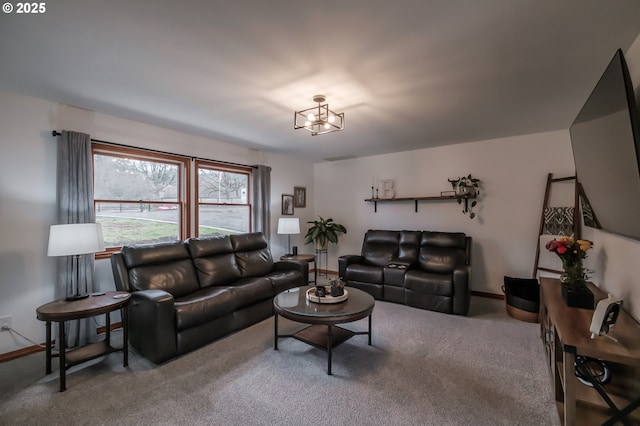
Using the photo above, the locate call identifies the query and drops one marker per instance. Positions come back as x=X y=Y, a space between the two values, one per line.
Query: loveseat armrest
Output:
x=346 y=260
x=152 y=324
x=294 y=265
x=461 y=289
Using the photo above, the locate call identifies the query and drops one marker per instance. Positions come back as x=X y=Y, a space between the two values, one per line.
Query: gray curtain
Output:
x=75 y=205
x=261 y=200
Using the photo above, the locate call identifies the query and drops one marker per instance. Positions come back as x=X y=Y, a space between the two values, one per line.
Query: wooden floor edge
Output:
x=10 y=356
x=19 y=353
x=487 y=295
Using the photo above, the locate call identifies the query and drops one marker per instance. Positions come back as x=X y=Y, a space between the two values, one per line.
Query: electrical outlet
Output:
x=5 y=323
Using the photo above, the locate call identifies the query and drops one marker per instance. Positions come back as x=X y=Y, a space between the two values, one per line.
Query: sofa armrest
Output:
x=294 y=265
x=152 y=324
x=346 y=260
x=461 y=289
x=120 y=272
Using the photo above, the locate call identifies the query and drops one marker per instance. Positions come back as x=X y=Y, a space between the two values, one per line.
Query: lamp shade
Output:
x=288 y=225
x=75 y=239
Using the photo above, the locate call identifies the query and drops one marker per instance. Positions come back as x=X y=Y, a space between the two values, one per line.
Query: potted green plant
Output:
x=467 y=187
x=323 y=232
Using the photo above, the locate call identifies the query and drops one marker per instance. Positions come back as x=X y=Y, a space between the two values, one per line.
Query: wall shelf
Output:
x=375 y=201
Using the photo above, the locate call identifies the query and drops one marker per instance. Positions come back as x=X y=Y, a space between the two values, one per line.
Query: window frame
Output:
x=217 y=166
x=183 y=185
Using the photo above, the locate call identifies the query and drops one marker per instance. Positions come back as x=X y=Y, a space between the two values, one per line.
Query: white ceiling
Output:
x=407 y=74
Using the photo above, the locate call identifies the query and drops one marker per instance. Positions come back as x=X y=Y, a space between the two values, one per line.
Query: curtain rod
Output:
x=55 y=133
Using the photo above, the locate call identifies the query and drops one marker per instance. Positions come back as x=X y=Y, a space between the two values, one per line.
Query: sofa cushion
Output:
x=427 y=282
x=203 y=306
x=252 y=255
x=365 y=273
x=247 y=291
x=164 y=266
x=409 y=244
x=379 y=247
x=439 y=259
x=441 y=252
x=214 y=260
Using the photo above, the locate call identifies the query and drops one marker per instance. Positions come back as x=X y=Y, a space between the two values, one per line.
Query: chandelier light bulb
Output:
x=319 y=119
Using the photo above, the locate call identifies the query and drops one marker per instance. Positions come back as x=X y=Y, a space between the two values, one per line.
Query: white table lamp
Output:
x=75 y=239
x=288 y=226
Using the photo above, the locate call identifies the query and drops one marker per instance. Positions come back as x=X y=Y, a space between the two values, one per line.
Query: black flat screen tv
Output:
x=605 y=138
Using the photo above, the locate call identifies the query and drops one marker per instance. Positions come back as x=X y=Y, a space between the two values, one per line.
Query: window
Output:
x=141 y=196
x=223 y=199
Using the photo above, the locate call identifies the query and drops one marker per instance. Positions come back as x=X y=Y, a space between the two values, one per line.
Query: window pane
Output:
x=117 y=178
x=223 y=220
x=218 y=186
x=128 y=223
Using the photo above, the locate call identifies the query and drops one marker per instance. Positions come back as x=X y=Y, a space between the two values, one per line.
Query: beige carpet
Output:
x=424 y=368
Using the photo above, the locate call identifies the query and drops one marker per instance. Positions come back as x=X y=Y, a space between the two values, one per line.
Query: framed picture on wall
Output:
x=299 y=196
x=287 y=204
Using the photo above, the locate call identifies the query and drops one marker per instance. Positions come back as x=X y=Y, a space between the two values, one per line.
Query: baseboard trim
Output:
x=487 y=295
x=10 y=356
x=324 y=272
x=113 y=326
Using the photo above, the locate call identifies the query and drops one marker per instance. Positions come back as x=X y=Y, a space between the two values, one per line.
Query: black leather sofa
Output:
x=423 y=269
x=188 y=293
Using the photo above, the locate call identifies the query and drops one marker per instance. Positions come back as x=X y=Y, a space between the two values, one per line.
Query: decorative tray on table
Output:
x=312 y=297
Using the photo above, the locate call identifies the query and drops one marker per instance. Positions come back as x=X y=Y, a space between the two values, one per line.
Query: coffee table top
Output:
x=293 y=304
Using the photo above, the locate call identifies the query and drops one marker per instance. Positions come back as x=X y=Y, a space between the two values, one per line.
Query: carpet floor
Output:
x=424 y=368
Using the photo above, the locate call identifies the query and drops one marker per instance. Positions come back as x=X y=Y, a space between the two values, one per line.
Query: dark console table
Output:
x=61 y=311
x=565 y=332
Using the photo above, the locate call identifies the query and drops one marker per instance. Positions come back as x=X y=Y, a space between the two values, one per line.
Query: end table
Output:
x=61 y=311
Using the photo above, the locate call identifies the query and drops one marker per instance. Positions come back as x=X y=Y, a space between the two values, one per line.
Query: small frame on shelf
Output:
x=287 y=205
x=299 y=196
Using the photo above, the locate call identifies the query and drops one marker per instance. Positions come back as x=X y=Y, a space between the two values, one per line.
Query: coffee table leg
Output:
x=275 y=332
x=369 y=330
x=329 y=348
x=62 y=357
x=48 y=347
x=124 y=314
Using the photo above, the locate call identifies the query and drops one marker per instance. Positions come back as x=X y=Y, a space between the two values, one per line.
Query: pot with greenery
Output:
x=465 y=188
x=323 y=231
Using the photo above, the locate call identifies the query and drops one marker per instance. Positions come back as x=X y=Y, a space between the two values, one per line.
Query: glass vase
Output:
x=573 y=274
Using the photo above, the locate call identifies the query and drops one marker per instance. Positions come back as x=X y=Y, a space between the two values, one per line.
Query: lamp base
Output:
x=77 y=297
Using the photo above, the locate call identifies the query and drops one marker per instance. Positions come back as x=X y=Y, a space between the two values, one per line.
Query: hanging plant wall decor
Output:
x=467 y=188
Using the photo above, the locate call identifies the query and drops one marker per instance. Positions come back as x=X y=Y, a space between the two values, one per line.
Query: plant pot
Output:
x=577 y=296
x=322 y=245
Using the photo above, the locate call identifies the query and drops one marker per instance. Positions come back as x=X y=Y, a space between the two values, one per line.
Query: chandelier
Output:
x=318 y=119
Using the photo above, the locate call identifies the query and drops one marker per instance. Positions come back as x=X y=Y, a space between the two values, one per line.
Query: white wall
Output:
x=27 y=194
x=513 y=173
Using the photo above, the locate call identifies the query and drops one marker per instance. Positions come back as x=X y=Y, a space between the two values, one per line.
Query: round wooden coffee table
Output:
x=322 y=333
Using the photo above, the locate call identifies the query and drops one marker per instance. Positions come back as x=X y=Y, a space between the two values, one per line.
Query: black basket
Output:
x=522 y=297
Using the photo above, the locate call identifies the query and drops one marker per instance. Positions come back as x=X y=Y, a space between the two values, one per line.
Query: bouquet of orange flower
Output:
x=571 y=252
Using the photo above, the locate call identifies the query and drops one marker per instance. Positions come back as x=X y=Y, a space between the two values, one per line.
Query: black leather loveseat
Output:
x=188 y=293
x=423 y=269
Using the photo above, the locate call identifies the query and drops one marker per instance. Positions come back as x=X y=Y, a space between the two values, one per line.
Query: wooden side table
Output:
x=305 y=258
x=565 y=333
x=65 y=310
